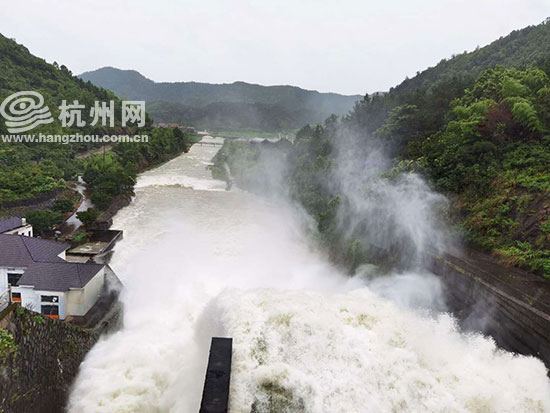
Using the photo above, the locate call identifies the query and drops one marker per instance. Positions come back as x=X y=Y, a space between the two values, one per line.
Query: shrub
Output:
x=88 y=217
x=63 y=205
x=43 y=220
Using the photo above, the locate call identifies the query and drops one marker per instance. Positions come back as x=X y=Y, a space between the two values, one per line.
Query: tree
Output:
x=88 y=217
x=43 y=220
x=63 y=205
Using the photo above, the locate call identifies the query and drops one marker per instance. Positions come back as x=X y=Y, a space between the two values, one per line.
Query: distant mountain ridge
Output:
x=235 y=105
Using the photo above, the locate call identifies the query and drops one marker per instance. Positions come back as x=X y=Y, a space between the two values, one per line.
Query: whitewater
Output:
x=198 y=261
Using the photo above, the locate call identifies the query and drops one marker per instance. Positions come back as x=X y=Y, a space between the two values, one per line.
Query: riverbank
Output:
x=506 y=303
x=105 y=220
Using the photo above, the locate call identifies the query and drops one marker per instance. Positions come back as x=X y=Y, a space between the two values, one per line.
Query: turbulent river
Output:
x=197 y=262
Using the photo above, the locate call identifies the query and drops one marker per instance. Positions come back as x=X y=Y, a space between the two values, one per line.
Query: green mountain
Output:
x=237 y=105
x=21 y=71
x=435 y=87
x=476 y=127
x=32 y=173
x=29 y=169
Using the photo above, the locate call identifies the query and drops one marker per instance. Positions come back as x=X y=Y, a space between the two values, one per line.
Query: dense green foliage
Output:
x=253 y=165
x=63 y=205
x=43 y=220
x=88 y=217
x=114 y=174
x=232 y=106
x=494 y=152
x=479 y=132
x=432 y=90
x=7 y=345
x=28 y=170
x=480 y=136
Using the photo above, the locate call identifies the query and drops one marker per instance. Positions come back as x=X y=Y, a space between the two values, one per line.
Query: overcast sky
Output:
x=346 y=46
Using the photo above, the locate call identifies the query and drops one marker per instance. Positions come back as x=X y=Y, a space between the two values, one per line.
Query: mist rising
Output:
x=307 y=337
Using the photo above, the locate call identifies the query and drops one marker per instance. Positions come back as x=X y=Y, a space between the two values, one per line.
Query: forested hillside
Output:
x=432 y=90
x=29 y=170
x=480 y=132
x=237 y=105
x=476 y=128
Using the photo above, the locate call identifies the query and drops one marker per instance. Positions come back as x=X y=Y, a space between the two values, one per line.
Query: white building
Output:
x=34 y=273
x=17 y=226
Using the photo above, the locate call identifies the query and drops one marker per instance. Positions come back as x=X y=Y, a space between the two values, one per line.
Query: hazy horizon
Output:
x=209 y=83
x=365 y=48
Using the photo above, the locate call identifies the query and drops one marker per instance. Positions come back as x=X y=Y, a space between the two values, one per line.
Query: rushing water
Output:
x=198 y=262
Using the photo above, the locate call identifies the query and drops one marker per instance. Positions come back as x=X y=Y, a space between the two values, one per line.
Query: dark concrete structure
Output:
x=215 y=397
x=98 y=248
x=509 y=304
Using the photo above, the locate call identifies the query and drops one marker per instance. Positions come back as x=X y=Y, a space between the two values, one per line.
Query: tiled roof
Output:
x=43 y=249
x=10 y=223
x=44 y=269
x=21 y=251
x=59 y=276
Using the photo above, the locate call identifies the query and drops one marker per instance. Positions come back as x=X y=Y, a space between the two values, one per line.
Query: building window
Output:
x=49 y=298
x=16 y=297
x=51 y=311
x=13 y=278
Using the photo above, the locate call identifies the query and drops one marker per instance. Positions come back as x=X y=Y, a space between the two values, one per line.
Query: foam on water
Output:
x=354 y=352
x=201 y=263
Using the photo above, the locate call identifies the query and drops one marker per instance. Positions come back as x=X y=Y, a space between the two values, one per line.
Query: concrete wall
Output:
x=32 y=299
x=37 y=376
x=4 y=277
x=79 y=301
x=511 y=307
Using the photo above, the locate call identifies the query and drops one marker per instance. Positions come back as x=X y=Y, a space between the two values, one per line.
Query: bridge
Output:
x=207 y=143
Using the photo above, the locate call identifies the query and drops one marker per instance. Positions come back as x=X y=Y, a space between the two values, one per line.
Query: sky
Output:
x=346 y=46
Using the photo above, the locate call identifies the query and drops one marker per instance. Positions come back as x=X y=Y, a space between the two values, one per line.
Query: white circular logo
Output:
x=24 y=111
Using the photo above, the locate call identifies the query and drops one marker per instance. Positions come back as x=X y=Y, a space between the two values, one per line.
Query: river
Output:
x=197 y=262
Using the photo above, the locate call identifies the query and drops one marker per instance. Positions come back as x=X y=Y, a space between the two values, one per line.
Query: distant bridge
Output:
x=207 y=143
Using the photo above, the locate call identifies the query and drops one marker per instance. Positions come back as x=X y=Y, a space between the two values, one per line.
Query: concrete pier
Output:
x=215 y=396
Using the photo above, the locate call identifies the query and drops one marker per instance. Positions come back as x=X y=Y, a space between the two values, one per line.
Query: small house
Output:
x=16 y=225
x=34 y=272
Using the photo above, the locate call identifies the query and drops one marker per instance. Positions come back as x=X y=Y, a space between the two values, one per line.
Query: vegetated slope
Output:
x=434 y=88
x=233 y=116
x=522 y=49
x=21 y=71
x=28 y=170
x=237 y=105
x=480 y=135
